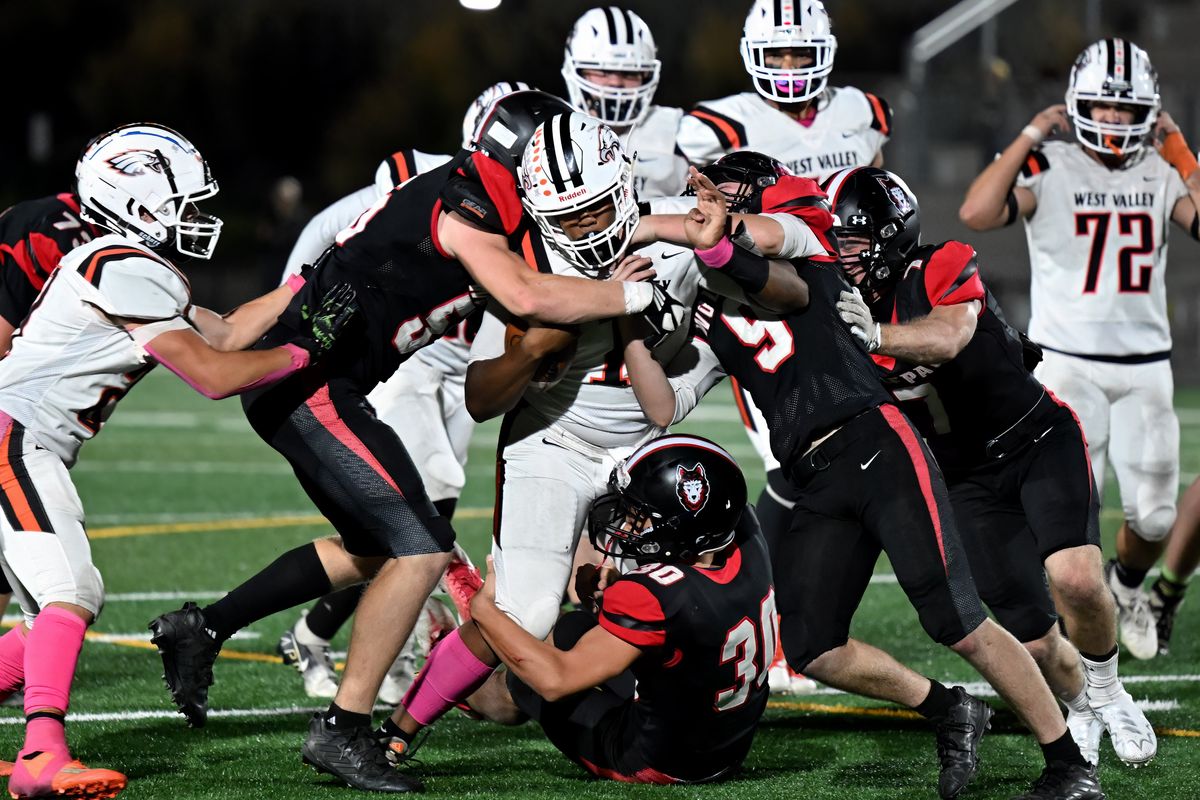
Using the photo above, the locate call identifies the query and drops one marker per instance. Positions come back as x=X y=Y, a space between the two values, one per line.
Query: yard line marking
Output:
x=240 y=523
x=132 y=716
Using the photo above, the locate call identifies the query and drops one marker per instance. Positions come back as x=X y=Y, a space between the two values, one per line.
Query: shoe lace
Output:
x=409 y=757
x=366 y=748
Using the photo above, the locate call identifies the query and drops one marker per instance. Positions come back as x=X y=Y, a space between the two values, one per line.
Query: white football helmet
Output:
x=774 y=24
x=480 y=104
x=142 y=181
x=611 y=39
x=1113 y=71
x=575 y=162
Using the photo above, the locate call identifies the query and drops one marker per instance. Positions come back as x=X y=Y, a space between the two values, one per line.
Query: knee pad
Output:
x=1155 y=525
x=537 y=616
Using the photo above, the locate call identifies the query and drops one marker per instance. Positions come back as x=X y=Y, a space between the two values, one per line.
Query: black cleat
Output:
x=188 y=649
x=354 y=756
x=958 y=734
x=1063 y=781
x=1164 y=607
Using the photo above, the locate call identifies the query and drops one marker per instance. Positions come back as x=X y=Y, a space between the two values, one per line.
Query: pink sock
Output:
x=51 y=651
x=12 y=660
x=450 y=675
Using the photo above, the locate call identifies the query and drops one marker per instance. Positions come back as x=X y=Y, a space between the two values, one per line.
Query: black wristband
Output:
x=747 y=270
x=1014 y=209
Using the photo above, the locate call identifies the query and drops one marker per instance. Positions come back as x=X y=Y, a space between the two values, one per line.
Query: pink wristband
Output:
x=718 y=255
x=295 y=282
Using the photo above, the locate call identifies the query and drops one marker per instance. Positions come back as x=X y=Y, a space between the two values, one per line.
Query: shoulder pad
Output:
x=729 y=132
x=952 y=274
x=881 y=113
x=484 y=192
x=632 y=612
x=134 y=283
x=1035 y=164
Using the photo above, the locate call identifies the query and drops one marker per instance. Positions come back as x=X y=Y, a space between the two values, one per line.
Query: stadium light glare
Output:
x=480 y=5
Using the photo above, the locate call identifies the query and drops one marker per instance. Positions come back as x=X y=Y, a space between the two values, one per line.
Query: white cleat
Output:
x=313 y=662
x=1086 y=729
x=1132 y=734
x=1138 y=628
x=398 y=678
x=784 y=681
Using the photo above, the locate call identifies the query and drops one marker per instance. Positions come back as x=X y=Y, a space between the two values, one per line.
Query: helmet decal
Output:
x=691 y=485
x=136 y=162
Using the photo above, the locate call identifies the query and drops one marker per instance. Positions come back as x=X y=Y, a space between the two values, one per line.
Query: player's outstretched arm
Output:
x=668 y=394
x=933 y=339
x=1173 y=147
x=246 y=324
x=217 y=374
x=992 y=200
x=552 y=299
x=552 y=673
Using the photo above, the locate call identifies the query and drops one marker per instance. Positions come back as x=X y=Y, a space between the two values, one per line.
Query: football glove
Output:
x=322 y=326
x=854 y=312
x=664 y=315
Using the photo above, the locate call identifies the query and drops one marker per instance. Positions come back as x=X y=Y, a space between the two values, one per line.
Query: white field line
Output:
x=128 y=716
x=99 y=520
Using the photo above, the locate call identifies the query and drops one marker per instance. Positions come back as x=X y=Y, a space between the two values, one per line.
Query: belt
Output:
x=1029 y=429
x=820 y=457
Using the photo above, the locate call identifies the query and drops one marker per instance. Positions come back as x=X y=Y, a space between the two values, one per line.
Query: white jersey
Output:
x=849 y=130
x=70 y=362
x=657 y=169
x=1098 y=251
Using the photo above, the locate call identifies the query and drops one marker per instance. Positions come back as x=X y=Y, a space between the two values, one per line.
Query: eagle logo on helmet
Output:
x=692 y=488
x=136 y=162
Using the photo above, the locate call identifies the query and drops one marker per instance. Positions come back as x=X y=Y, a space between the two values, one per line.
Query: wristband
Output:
x=1035 y=133
x=1177 y=153
x=638 y=295
x=295 y=282
x=300 y=356
x=718 y=255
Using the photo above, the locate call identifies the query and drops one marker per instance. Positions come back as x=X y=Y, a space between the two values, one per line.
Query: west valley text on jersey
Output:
x=1102 y=200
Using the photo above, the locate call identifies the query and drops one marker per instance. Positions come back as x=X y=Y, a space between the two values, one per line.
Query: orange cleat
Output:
x=6 y=768
x=46 y=774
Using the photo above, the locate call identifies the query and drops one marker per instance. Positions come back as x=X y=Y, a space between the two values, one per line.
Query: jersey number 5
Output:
x=751 y=646
x=1130 y=279
x=773 y=338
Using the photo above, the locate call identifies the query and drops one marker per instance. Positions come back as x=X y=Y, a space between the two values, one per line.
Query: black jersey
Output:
x=34 y=236
x=409 y=290
x=961 y=405
x=805 y=371
x=709 y=637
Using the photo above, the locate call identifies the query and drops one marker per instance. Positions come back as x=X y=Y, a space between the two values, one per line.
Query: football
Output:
x=553 y=367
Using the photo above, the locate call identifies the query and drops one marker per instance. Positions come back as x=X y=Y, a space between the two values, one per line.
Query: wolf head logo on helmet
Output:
x=692 y=487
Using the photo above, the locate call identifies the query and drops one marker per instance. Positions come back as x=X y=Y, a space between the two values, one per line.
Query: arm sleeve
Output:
x=798 y=239
x=632 y=613
x=489 y=340
x=803 y=199
x=141 y=288
x=320 y=231
x=692 y=373
x=144 y=334
x=952 y=275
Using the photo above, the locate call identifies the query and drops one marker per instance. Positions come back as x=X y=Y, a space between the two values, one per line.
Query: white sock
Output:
x=1103 y=684
x=305 y=636
x=1079 y=704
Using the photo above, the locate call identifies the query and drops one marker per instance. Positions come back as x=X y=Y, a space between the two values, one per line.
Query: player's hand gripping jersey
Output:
x=850 y=127
x=702 y=681
x=76 y=358
x=34 y=236
x=1098 y=250
x=964 y=404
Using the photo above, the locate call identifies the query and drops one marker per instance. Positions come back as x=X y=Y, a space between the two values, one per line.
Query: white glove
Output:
x=854 y=312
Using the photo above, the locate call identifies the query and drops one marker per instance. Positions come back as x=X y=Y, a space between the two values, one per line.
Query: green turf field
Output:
x=184 y=501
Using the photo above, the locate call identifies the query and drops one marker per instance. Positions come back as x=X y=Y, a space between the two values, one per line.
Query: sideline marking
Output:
x=239 y=523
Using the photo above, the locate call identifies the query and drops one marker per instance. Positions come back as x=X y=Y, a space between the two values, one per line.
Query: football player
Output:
x=114 y=308
x=611 y=70
x=814 y=129
x=429 y=386
x=865 y=482
x=677 y=508
x=34 y=236
x=1013 y=455
x=1096 y=215
x=1179 y=564
x=423 y=257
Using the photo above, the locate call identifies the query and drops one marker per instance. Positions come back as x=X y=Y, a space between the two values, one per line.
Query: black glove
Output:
x=322 y=326
x=663 y=316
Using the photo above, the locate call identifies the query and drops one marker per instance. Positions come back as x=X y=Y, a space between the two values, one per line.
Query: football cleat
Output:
x=399 y=677
x=1164 y=607
x=1086 y=729
x=188 y=649
x=1132 y=734
x=313 y=662
x=461 y=581
x=1062 y=781
x=1135 y=619
x=355 y=757
x=785 y=682
x=958 y=734
x=46 y=774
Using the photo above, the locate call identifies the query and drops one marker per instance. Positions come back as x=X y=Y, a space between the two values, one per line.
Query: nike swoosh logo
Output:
x=1148 y=178
x=847 y=134
x=872 y=458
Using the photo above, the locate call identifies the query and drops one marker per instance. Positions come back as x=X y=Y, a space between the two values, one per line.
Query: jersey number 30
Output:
x=750 y=645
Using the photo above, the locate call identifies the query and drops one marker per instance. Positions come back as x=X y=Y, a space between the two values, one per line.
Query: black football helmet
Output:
x=508 y=124
x=751 y=171
x=876 y=205
x=673 y=499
